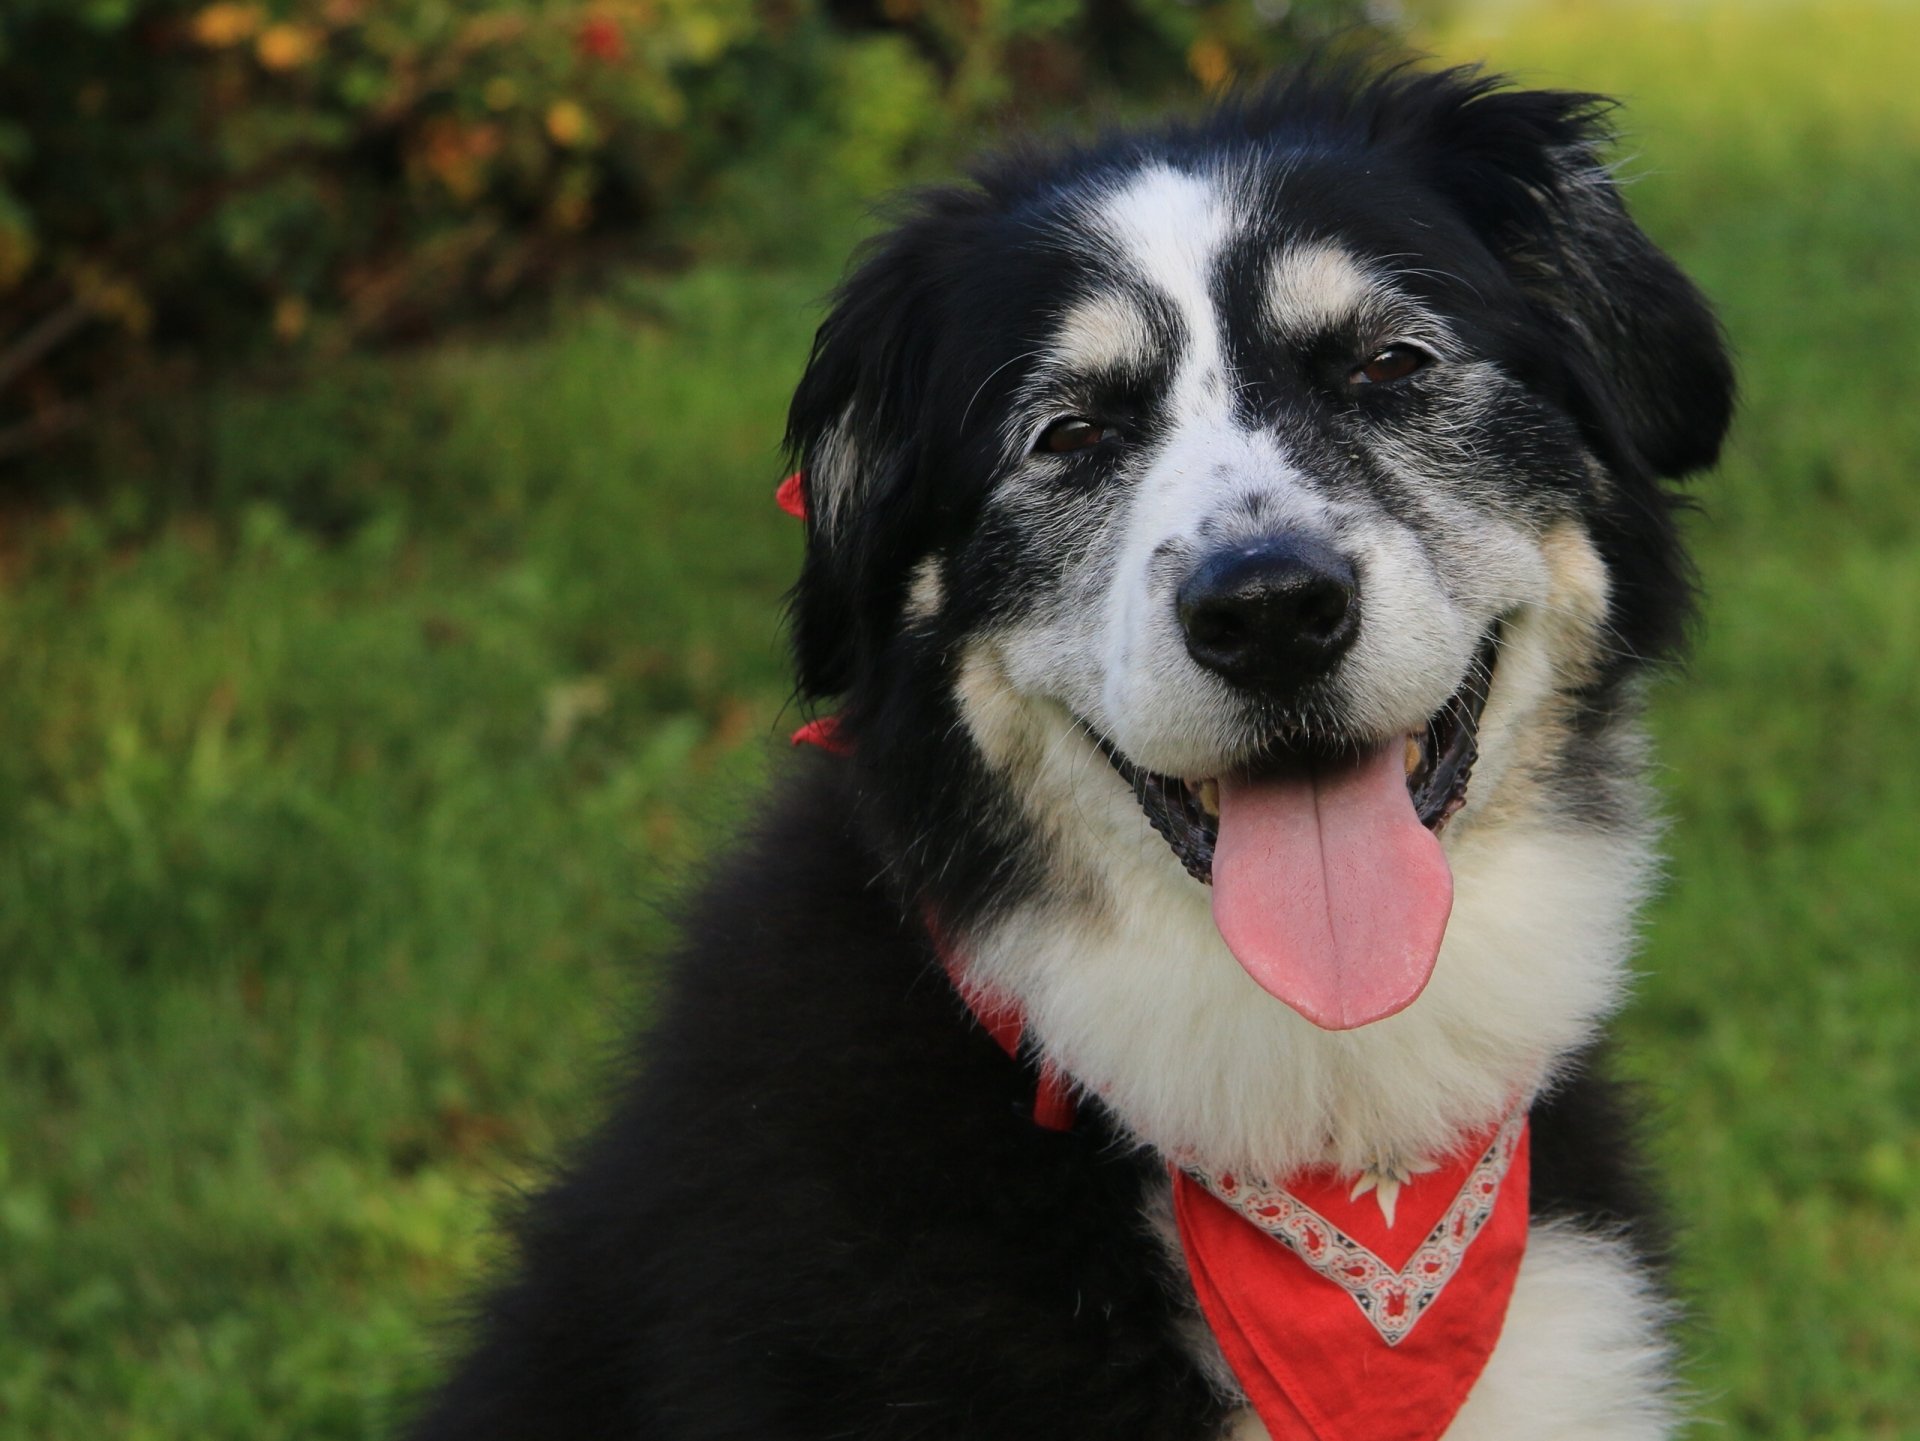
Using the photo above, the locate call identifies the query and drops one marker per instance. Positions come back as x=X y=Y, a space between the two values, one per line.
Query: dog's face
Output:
x=1255 y=488
x=1286 y=486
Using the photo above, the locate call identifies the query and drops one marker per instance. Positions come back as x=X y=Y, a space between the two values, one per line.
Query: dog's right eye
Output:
x=1071 y=433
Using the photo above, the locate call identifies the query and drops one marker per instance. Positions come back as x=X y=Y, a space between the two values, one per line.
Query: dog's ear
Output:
x=1647 y=366
x=857 y=430
x=1654 y=342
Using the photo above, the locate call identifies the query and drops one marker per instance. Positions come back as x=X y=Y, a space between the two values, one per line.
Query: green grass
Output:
x=335 y=806
x=322 y=863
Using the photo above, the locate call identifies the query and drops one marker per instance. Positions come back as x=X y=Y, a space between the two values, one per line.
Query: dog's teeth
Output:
x=1209 y=793
x=1413 y=755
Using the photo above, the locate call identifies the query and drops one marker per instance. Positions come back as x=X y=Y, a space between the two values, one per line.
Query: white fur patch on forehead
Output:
x=1103 y=332
x=1168 y=226
x=1316 y=286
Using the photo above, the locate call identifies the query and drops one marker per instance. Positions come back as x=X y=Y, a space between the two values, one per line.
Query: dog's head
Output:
x=1289 y=483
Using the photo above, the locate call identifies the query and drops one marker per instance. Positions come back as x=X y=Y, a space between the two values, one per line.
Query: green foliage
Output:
x=323 y=864
x=180 y=177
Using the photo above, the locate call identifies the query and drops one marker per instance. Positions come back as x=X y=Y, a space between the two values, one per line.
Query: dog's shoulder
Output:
x=822 y=1202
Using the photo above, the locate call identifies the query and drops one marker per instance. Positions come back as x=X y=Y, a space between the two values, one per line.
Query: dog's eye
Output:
x=1072 y=433
x=1396 y=362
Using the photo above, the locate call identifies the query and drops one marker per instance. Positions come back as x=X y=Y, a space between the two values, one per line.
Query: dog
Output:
x=1164 y=1003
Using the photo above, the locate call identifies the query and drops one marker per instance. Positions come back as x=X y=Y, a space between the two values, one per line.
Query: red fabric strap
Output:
x=999 y=1017
x=791 y=496
x=1053 y=1104
x=824 y=734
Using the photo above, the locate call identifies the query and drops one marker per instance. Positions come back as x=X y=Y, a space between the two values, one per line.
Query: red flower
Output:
x=600 y=38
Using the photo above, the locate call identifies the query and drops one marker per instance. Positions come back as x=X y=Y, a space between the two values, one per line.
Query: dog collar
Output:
x=1000 y=1017
x=1348 y=1310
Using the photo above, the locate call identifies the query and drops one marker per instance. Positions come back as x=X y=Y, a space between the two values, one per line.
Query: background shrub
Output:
x=214 y=180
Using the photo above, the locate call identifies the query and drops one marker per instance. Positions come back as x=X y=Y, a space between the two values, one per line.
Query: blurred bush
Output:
x=192 y=182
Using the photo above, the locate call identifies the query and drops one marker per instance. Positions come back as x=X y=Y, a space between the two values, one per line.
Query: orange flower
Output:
x=217 y=26
x=288 y=47
x=457 y=155
x=567 y=123
x=290 y=315
x=1210 y=63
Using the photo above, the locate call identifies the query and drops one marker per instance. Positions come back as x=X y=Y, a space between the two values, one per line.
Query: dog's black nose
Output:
x=1270 y=614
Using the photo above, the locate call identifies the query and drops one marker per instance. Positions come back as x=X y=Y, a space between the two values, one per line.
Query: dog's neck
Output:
x=1139 y=1001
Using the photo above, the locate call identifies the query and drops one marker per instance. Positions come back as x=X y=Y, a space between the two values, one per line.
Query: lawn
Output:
x=353 y=743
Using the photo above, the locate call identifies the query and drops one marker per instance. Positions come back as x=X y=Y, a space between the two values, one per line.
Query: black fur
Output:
x=827 y=1212
x=822 y=1210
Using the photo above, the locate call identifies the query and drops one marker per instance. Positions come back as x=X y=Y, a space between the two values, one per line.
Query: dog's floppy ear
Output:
x=858 y=431
x=843 y=454
x=1655 y=352
x=1648 y=366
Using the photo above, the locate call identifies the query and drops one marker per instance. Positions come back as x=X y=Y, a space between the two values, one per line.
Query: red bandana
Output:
x=1360 y=1309
x=1349 y=1310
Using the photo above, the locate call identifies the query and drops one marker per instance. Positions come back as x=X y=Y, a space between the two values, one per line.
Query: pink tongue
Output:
x=1329 y=890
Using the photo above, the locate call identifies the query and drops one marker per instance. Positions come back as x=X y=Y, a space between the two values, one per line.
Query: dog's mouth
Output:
x=1437 y=759
x=1329 y=885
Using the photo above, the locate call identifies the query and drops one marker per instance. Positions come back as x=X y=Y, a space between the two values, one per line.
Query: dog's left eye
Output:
x=1396 y=362
x=1071 y=433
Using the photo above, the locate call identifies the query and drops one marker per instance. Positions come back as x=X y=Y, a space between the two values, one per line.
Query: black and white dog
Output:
x=1235 y=551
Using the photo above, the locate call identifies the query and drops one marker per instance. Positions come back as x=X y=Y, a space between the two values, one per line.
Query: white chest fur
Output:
x=1141 y=1003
